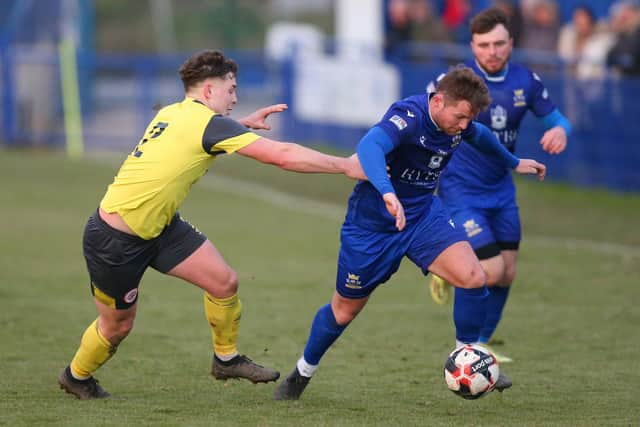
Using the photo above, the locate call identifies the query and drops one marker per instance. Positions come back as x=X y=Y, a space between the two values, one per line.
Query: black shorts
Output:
x=116 y=261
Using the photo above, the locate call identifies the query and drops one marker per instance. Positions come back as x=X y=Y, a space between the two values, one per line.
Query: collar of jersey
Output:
x=498 y=77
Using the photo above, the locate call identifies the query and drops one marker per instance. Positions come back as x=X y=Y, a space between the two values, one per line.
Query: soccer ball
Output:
x=471 y=371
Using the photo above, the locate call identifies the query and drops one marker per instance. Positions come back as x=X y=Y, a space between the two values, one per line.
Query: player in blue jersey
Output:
x=395 y=214
x=477 y=188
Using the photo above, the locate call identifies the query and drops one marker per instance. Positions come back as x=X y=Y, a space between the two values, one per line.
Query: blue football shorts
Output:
x=368 y=258
x=490 y=230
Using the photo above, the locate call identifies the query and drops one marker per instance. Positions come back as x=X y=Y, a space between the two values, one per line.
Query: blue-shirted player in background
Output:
x=479 y=189
x=395 y=214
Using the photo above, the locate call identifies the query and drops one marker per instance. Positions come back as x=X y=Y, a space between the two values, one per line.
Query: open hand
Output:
x=257 y=119
x=395 y=208
x=531 y=167
x=554 y=141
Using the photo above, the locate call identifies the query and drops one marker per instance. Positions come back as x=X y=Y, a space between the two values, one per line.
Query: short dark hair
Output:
x=205 y=64
x=487 y=20
x=462 y=84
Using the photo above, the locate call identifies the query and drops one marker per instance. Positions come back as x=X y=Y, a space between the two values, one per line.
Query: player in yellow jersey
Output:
x=137 y=224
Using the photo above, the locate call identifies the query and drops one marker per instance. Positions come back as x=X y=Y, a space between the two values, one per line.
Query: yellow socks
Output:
x=94 y=351
x=223 y=315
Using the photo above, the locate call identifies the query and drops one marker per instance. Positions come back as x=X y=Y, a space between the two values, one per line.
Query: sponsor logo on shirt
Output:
x=398 y=121
x=519 y=99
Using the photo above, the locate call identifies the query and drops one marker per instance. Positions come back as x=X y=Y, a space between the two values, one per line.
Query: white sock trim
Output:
x=77 y=377
x=306 y=369
x=226 y=357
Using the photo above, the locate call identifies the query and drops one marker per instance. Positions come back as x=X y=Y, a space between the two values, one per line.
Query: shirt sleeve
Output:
x=481 y=137
x=556 y=118
x=539 y=101
x=399 y=122
x=372 y=150
x=225 y=135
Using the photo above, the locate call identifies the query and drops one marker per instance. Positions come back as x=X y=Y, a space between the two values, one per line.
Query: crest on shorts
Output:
x=353 y=281
x=130 y=296
x=471 y=227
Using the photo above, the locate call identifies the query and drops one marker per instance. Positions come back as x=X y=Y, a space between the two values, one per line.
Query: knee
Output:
x=231 y=282
x=509 y=274
x=474 y=277
x=494 y=274
x=116 y=331
x=225 y=285
x=344 y=316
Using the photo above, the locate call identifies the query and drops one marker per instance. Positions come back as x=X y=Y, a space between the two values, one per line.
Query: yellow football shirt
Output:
x=177 y=148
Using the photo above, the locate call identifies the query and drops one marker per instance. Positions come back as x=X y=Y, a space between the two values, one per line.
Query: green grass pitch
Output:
x=571 y=323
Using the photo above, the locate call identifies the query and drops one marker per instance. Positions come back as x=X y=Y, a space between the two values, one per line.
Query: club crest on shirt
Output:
x=471 y=227
x=457 y=138
x=519 y=99
x=498 y=117
x=398 y=121
x=353 y=281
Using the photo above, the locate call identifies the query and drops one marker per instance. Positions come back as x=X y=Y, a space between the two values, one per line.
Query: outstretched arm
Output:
x=485 y=141
x=257 y=119
x=296 y=158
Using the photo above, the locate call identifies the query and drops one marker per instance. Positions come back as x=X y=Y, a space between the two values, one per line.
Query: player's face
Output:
x=451 y=117
x=492 y=49
x=220 y=94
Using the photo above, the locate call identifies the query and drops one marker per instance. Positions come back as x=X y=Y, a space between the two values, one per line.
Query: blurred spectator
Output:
x=624 y=56
x=584 y=43
x=398 y=25
x=540 y=25
x=412 y=20
x=427 y=25
x=513 y=12
x=456 y=17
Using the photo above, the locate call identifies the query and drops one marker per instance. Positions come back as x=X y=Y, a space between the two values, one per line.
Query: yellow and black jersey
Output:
x=176 y=150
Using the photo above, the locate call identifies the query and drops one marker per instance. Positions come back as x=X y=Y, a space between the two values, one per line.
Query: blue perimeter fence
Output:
x=119 y=94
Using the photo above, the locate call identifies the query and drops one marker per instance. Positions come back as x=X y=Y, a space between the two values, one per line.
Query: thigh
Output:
x=207 y=269
x=433 y=234
x=367 y=259
x=116 y=262
x=459 y=265
x=178 y=241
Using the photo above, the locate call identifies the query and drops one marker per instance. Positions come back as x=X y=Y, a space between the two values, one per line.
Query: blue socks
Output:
x=495 y=304
x=324 y=331
x=469 y=313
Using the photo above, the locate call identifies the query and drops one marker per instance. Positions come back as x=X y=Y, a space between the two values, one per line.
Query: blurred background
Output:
x=83 y=75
